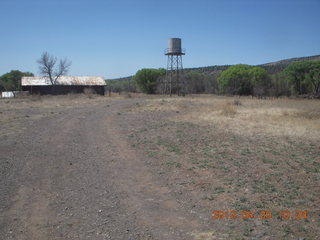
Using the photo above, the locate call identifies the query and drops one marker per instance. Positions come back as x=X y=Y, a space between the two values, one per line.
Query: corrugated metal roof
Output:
x=63 y=80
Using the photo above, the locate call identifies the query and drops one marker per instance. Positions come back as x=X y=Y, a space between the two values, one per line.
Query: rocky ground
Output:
x=109 y=168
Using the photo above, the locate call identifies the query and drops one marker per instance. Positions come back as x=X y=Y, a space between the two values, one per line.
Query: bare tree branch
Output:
x=62 y=69
x=48 y=68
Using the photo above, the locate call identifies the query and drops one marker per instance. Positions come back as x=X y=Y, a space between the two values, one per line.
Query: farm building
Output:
x=64 y=85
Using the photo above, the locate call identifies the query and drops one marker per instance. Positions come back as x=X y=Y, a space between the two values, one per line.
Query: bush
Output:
x=11 y=81
x=228 y=109
x=243 y=79
x=280 y=86
x=304 y=76
x=147 y=79
x=194 y=82
x=121 y=85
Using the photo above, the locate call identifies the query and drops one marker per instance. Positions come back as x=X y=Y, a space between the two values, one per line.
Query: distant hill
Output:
x=271 y=68
x=275 y=67
x=291 y=60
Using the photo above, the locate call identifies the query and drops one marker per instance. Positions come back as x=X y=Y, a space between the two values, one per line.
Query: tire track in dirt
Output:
x=30 y=216
x=148 y=199
x=80 y=179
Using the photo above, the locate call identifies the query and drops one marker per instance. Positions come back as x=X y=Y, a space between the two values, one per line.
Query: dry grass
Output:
x=238 y=154
x=246 y=116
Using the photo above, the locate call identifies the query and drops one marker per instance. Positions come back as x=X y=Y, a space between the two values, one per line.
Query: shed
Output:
x=64 y=85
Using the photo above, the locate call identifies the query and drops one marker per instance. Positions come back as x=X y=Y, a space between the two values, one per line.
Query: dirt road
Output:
x=75 y=176
x=154 y=167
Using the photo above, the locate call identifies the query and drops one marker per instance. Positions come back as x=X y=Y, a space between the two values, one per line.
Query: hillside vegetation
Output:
x=270 y=79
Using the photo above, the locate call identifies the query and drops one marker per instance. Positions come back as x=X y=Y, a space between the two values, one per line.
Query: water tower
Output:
x=174 y=82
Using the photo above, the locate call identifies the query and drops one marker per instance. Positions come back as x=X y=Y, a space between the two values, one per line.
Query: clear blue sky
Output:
x=115 y=38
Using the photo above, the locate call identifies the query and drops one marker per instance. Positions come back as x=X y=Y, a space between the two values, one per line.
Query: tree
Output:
x=48 y=67
x=260 y=81
x=147 y=78
x=11 y=81
x=280 y=86
x=195 y=82
x=241 y=79
x=313 y=76
x=304 y=76
x=119 y=86
x=296 y=74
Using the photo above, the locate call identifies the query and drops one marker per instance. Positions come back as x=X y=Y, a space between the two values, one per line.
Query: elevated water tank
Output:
x=174 y=47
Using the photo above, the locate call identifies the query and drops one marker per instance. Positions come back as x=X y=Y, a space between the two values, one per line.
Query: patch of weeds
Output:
x=228 y=109
x=218 y=190
x=193 y=161
x=208 y=150
x=287 y=230
x=237 y=102
x=275 y=174
x=146 y=142
x=263 y=186
x=269 y=161
x=245 y=152
x=175 y=149
x=243 y=199
x=293 y=187
x=243 y=160
x=229 y=182
x=131 y=135
x=210 y=198
x=240 y=183
x=259 y=205
x=275 y=152
x=237 y=164
x=178 y=165
x=239 y=206
x=291 y=194
x=152 y=154
x=225 y=169
x=312 y=170
x=169 y=163
x=247 y=231
x=302 y=228
x=179 y=133
x=160 y=141
x=273 y=167
x=287 y=202
x=203 y=164
x=142 y=130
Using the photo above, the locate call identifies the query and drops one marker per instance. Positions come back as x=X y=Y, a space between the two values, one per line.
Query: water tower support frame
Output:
x=174 y=82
